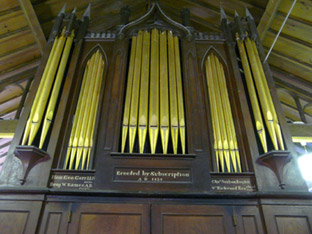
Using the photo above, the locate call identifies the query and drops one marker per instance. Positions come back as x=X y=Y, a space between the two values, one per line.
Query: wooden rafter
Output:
x=267 y=17
x=7 y=128
x=33 y=23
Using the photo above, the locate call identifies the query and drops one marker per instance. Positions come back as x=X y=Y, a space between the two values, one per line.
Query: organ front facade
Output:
x=153 y=128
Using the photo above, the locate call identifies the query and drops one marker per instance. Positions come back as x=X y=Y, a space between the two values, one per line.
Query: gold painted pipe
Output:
x=154 y=91
x=268 y=116
x=94 y=103
x=86 y=110
x=135 y=92
x=214 y=115
x=164 y=92
x=174 y=121
x=252 y=95
x=268 y=94
x=94 y=116
x=76 y=117
x=56 y=88
x=234 y=151
x=39 y=92
x=226 y=109
x=40 y=107
x=83 y=93
x=224 y=135
x=144 y=88
x=180 y=94
x=125 y=122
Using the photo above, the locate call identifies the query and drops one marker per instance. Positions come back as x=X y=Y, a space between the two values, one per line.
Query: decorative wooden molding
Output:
x=33 y=23
x=301 y=132
x=267 y=17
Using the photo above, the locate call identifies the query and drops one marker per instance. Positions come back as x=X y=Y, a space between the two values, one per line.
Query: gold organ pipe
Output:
x=174 y=122
x=92 y=113
x=224 y=135
x=135 y=93
x=268 y=94
x=233 y=141
x=144 y=91
x=164 y=98
x=226 y=109
x=252 y=95
x=268 y=115
x=56 y=88
x=180 y=94
x=214 y=114
x=154 y=91
x=86 y=110
x=37 y=97
x=79 y=115
x=76 y=117
x=125 y=122
x=44 y=95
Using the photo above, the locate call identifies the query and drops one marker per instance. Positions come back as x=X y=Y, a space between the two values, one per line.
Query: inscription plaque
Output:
x=235 y=184
x=67 y=180
x=152 y=175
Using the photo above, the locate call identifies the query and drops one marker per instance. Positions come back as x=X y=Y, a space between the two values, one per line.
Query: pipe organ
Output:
x=153 y=127
x=154 y=95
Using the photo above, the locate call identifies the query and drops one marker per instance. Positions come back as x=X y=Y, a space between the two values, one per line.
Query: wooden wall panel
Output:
x=110 y=218
x=55 y=218
x=185 y=219
x=19 y=216
x=288 y=219
x=248 y=220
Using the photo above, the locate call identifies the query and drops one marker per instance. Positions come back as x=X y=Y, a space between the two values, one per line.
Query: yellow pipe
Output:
x=268 y=116
x=83 y=93
x=227 y=112
x=214 y=115
x=224 y=136
x=180 y=94
x=164 y=92
x=39 y=92
x=86 y=111
x=94 y=103
x=76 y=117
x=56 y=88
x=144 y=88
x=154 y=91
x=39 y=111
x=174 y=121
x=268 y=95
x=135 y=93
x=125 y=122
x=252 y=95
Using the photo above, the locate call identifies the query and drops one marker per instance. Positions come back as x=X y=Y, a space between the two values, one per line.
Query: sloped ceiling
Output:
x=24 y=25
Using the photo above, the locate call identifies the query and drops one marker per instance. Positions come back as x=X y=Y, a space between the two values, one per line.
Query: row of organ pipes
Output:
x=227 y=155
x=44 y=105
x=154 y=94
x=259 y=95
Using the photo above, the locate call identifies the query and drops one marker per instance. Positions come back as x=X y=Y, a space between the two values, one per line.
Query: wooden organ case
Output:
x=153 y=128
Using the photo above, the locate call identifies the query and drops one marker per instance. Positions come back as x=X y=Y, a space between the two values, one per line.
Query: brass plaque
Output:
x=152 y=175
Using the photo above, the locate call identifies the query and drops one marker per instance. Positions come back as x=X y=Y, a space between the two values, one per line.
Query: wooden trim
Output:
x=301 y=131
x=33 y=23
x=267 y=17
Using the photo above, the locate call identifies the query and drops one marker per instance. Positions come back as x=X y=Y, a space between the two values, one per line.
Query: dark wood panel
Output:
x=55 y=218
x=288 y=219
x=248 y=220
x=110 y=218
x=187 y=219
x=19 y=216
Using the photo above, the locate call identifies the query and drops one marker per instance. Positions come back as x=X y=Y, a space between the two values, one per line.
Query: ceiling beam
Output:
x=267 y=17
x=7 y=128
x=33 y=23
